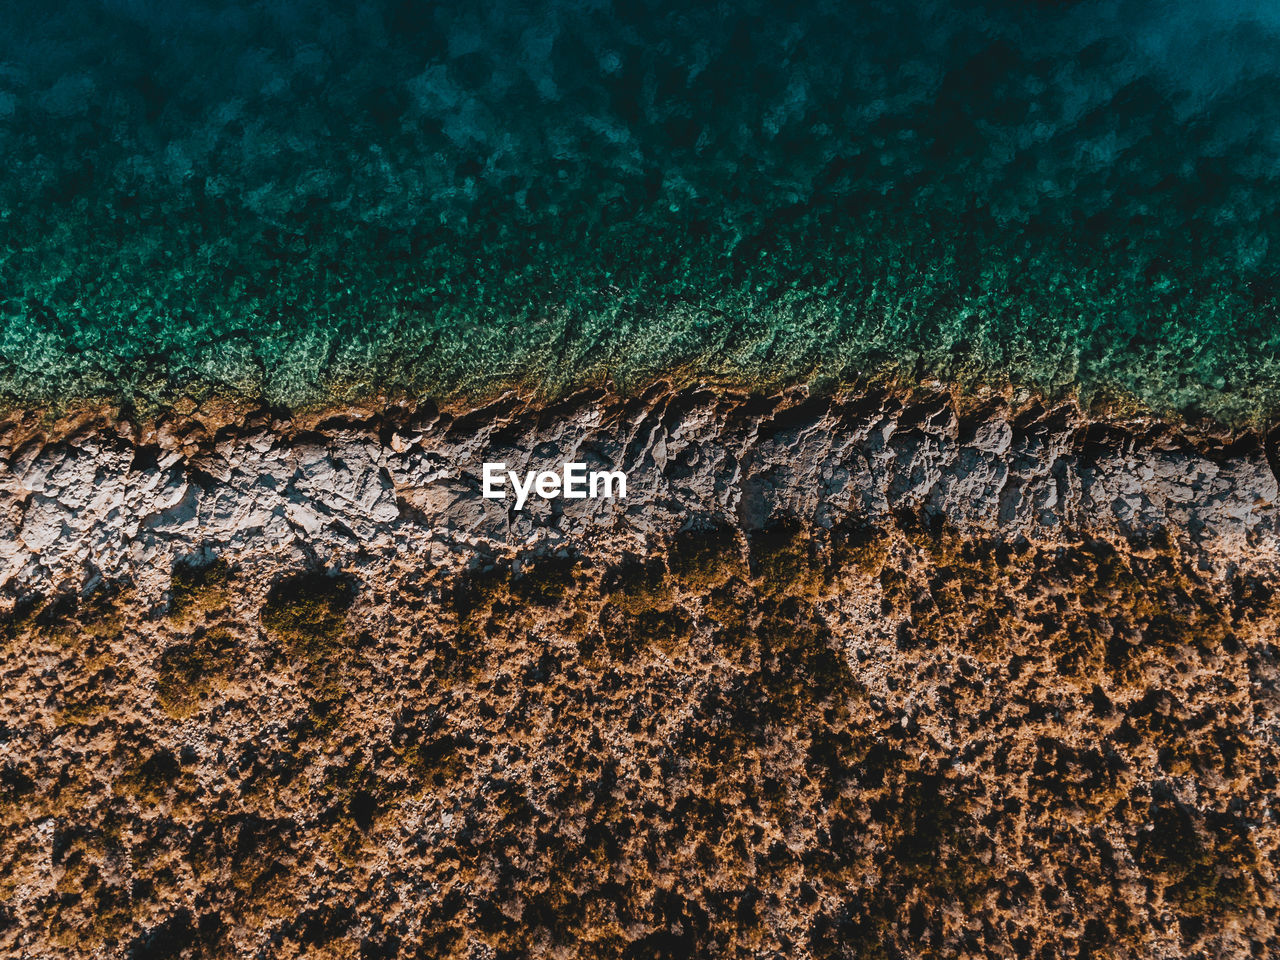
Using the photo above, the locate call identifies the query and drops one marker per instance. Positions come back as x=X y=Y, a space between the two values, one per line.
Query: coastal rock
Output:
x=691 y=456
x=860 y=677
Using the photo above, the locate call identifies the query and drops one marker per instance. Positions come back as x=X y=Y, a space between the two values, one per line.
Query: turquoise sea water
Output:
x=300 y=202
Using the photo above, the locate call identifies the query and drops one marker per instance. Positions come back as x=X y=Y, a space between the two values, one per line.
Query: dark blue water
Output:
x=307 y=201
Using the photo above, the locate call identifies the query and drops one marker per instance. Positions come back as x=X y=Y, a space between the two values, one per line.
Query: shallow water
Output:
x=293 y=201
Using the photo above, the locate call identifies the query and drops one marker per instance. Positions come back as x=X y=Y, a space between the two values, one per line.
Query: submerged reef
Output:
x=886 y=676
x=309 y=202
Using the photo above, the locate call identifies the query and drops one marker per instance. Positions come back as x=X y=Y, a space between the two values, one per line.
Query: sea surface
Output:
x=311 y=202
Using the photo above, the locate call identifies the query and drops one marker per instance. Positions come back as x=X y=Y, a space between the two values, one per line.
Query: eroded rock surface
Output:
x=862 y=679
x=124 y=505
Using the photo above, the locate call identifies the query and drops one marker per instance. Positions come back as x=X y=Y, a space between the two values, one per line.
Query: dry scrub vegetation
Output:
x=859 y=742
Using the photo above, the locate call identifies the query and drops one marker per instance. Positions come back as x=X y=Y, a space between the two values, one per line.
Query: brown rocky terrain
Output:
x=876 y=676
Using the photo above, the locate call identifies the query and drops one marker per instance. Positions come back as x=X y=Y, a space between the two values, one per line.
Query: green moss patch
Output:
x=703 y=558
x=786 y=560
x=198 y=586
x=190 y=671
x=307 y=613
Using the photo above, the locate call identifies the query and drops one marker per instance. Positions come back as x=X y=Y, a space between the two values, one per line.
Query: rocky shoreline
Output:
x=878 y=676
x=117 y=502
